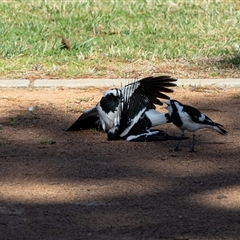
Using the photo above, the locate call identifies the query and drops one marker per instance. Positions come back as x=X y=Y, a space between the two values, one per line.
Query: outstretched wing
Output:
x=131 y=111
x=152 y=87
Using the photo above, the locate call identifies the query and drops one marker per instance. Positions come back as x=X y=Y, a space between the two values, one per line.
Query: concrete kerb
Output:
x=18 y=83
x=80 y=83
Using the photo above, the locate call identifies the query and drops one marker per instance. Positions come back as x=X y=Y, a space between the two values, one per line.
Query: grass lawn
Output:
x=119 y=38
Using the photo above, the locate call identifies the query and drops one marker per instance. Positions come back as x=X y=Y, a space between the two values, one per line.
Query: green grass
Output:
x=13 y=121
x=108 y=36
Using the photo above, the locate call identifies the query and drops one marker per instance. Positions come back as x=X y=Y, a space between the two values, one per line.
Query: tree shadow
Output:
x=84 y=187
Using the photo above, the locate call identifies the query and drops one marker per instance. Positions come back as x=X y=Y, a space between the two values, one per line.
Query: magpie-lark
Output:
x=189 y=118
x=137 y=118
x=130 y=108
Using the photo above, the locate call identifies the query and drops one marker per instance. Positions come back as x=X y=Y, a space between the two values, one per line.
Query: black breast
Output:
x=175 y=117
x=109 y=103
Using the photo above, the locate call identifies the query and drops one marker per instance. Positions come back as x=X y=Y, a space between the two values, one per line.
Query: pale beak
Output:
x=167 y=105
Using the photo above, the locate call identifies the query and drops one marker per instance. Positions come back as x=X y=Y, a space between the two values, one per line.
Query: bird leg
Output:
x=177 y=147
x=193 y=143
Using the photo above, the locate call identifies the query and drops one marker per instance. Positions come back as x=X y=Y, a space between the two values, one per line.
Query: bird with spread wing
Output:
x=130 y=112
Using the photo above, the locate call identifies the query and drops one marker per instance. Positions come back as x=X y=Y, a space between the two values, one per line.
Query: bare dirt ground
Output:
x=77 y=185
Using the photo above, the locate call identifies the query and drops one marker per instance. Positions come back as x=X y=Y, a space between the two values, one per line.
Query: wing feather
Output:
x=152 y=87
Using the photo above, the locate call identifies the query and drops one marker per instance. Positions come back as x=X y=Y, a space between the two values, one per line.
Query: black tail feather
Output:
x=220 y=129
x=88 y=120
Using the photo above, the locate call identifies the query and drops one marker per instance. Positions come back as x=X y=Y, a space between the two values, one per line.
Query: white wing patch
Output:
x=156 y=117
x=128 y=90
x=134 y=121
x=202 y=118
x=132 y=137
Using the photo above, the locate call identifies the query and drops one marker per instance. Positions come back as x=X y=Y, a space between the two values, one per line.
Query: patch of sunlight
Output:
x=76 y=192
x=224 y=198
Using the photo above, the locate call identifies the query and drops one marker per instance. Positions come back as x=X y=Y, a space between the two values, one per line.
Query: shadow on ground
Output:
x=80 y=186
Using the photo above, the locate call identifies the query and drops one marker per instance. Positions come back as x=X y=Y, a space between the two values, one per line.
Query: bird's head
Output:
x=114 y=133
x=111 y=100
x=173 y=104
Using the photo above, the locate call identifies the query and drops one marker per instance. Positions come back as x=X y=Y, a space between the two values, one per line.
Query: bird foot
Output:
x=192 y=150
x=177 y=149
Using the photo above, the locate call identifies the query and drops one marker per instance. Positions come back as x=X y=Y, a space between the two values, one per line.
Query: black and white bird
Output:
x=191 y=119
x=125 y=103
x=137 y=118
